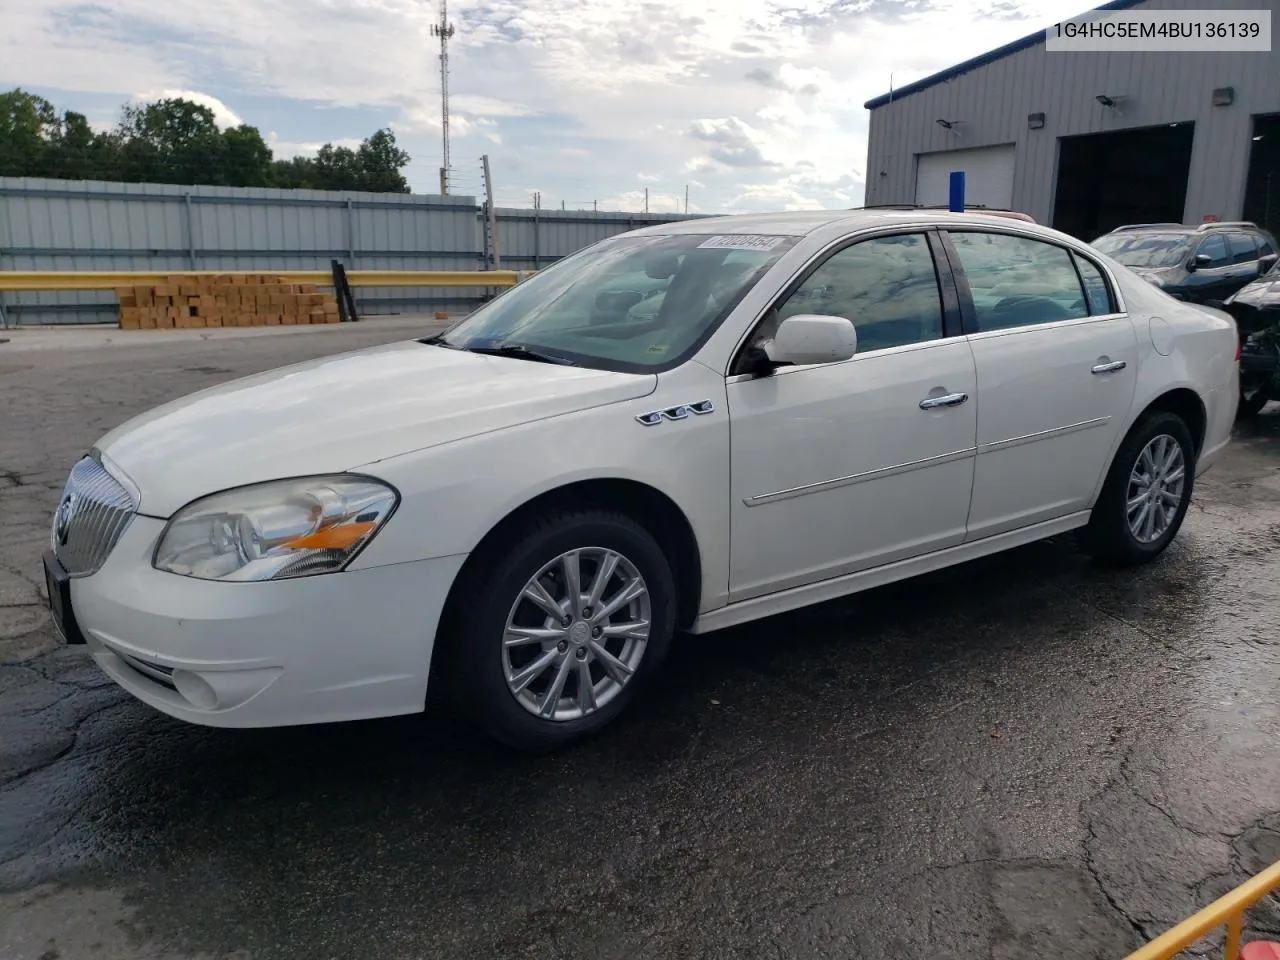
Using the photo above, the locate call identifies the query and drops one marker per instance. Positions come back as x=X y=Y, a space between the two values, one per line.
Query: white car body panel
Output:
x=837 y=468
x=467 y=439
x=1046 y=419
x=335 y=413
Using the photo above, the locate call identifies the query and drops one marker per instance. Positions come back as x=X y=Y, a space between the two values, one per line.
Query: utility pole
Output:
x=686 y=199
x=646 y=199
x=491 y=216
x=444 y=30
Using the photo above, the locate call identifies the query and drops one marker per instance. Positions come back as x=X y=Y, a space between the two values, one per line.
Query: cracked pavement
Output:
x=1026 y=756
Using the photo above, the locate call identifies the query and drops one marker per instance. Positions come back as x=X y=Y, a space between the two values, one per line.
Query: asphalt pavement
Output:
x=1026 y=756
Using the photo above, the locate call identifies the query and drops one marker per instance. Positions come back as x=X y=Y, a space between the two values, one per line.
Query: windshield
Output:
x=1145 y=249
x=631 y=303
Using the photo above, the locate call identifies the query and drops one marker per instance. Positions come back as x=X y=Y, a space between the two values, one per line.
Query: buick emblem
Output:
x=62 y=519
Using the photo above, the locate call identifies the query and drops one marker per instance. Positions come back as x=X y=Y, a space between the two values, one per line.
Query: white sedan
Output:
x=686 y=427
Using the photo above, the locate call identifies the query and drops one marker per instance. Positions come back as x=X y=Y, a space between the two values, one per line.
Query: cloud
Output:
x=765 y=78
x=758 y=100
x=733 y=142
x=223 y=115
x=285 y=149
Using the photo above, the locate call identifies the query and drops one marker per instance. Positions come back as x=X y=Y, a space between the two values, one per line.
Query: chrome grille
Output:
x=92 y=514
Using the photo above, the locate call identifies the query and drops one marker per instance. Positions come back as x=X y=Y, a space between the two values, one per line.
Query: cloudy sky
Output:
x=754 y=104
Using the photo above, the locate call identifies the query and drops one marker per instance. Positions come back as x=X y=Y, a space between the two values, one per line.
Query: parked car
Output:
x=1256 y=311
x=1204 y=264
x=525 y=509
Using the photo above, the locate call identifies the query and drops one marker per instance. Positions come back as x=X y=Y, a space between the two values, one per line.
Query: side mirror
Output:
x=809 y=338
x=1199 y=262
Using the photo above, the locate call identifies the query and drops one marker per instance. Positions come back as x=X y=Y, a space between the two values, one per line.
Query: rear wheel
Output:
x=557 y=631
x=1146 y=494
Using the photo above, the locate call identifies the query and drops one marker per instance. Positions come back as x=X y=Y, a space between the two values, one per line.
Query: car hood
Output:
x=342 y=412
x=1263 y=294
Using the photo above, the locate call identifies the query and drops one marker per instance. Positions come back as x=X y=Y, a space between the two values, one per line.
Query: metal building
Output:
x=1086 y=141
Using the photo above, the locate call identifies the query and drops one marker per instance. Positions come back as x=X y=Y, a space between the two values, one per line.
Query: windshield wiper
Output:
x=521 y=352
x=438 y=341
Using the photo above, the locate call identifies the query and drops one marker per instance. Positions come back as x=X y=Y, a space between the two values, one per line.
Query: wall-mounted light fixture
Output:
x=1035 y=120
x=1224 y=96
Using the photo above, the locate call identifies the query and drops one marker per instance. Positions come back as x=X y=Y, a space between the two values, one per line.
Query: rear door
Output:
x=1056 y=370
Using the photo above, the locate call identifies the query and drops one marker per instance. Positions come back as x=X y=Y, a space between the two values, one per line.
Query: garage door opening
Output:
x=1106 y=180
x=1262 y=188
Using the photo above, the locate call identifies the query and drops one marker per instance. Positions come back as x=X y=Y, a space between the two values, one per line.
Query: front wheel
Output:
x=1146 y=494
x=560 y=627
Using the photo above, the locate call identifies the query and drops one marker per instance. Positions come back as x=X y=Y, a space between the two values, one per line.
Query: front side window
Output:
x=1215 y=248
x=887 y=286
x=1149 y=250
x=1018 y=282
x=632 y=304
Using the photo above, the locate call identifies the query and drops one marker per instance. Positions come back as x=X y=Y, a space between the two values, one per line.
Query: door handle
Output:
x=950 y=400
x=1109 y=367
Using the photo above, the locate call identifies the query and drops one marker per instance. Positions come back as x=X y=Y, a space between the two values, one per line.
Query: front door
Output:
x=1056 y=376
x=844 y=466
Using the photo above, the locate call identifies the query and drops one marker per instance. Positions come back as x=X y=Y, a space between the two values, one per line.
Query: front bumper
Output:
x=339 y=646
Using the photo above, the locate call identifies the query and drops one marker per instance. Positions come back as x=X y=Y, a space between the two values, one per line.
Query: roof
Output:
x=981 y=61
x=800 y=223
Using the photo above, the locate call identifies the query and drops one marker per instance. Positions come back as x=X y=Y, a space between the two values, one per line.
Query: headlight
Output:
x=273 y=531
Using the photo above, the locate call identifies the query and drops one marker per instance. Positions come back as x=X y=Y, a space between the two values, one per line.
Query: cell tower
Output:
x=444 y=30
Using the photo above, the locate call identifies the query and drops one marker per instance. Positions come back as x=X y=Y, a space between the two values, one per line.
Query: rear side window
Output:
x=1243 y=248
x=1264 y=247
x=1097 y=293
x=1018 y=282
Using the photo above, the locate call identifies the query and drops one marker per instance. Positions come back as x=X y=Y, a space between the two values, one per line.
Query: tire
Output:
x=1109 y=536
x=491 y=597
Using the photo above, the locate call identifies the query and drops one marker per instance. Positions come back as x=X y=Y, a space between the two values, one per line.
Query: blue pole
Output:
x=957 y=191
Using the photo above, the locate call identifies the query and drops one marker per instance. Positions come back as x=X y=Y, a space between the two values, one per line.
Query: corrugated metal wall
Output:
x=90 y=225
x=992 y=103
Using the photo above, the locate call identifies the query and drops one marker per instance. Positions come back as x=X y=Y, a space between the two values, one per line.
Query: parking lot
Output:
x=1026 y=756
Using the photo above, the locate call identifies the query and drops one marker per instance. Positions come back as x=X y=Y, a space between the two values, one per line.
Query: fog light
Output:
x=195 y=689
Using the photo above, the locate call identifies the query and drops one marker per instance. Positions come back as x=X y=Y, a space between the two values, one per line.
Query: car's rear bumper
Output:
x=340 y=646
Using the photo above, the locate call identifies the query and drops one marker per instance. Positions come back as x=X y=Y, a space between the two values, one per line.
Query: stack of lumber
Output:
x=226 y=300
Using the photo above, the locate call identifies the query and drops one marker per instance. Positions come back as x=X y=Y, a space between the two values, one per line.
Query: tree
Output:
x=381 y=162
x=172 y=141
x=248 y=158
x=27 y=123
x=178 y=141
x=338 y=168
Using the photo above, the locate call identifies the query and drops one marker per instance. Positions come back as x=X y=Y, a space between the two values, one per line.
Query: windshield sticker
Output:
x=658 y=348
x=740 y=242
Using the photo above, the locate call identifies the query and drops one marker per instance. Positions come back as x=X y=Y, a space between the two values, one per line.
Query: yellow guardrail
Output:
x=111 y=279
x=1227 y=911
